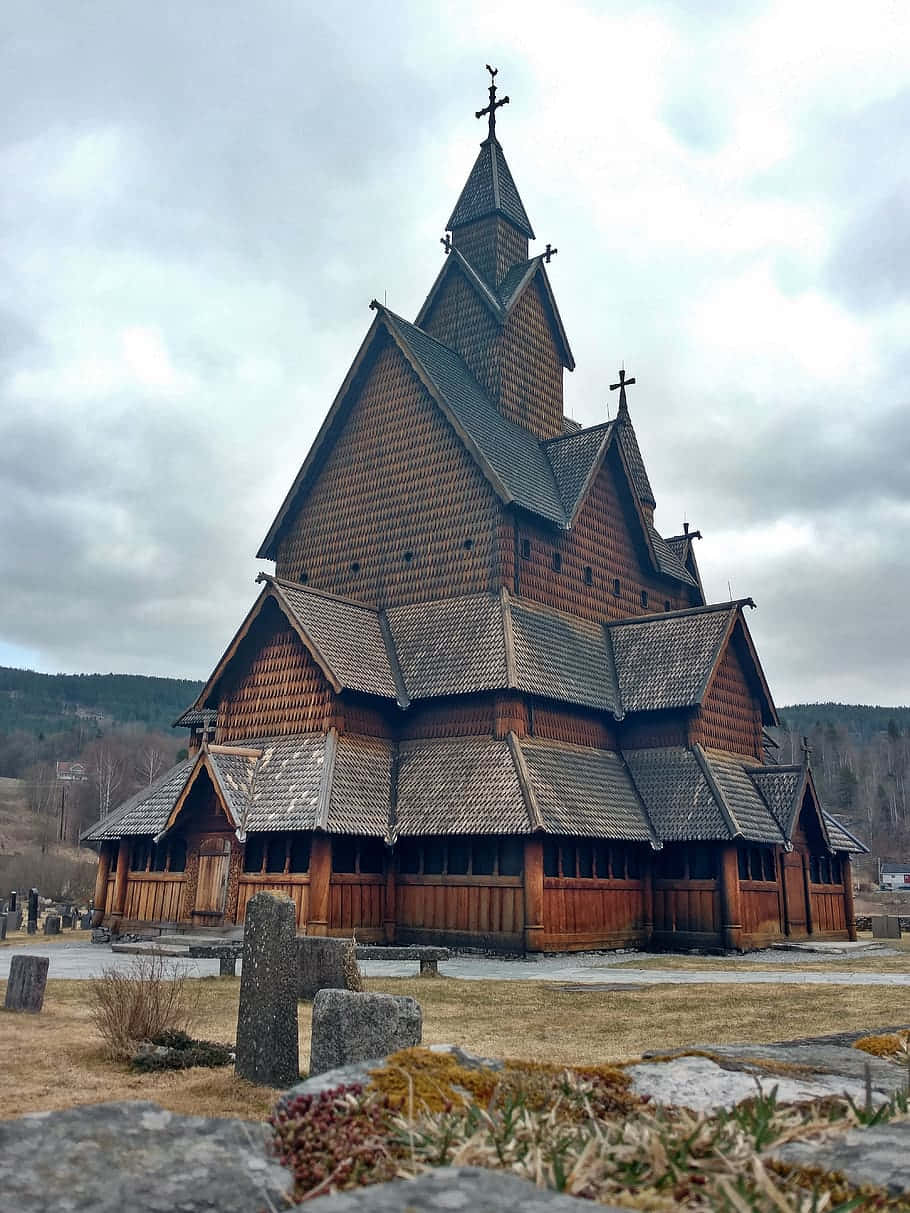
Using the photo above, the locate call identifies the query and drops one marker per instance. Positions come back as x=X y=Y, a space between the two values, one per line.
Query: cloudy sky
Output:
x=200 y=198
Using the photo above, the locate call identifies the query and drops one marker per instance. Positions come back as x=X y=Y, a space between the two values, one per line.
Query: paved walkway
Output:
x=80 y=961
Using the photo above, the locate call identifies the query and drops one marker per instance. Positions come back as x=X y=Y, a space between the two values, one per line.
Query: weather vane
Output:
x=494 y=104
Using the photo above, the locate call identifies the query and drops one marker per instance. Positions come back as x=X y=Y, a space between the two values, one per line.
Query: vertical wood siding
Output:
x=575 y=726
x=297 y=888
x=584 y=913
x=467 y=905
x=761 y=908
x=689 y=907
x=356 y=904
x=397 y=480
x=828 y=909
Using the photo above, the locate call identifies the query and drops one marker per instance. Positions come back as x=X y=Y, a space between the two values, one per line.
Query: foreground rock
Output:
x=106 y=1158
x=452 y=1188
x=879 y=1155
x=349 y=1027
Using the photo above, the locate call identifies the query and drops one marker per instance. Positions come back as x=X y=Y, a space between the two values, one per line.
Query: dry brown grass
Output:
x=55 y=1059
x=151 y=997
x=811 y=963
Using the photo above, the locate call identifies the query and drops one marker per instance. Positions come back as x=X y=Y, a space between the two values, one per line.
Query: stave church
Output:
x=481 y=701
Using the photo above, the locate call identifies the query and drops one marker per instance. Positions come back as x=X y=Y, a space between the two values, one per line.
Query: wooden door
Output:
x=212 y=882
x=795 y=893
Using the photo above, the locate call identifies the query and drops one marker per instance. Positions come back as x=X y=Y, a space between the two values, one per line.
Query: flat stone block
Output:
x=455 y=1188
x=26 y=984
x=52 y=924
x=350 y=1027
x=886 y=926
x=267 y=1014
x=320 y=965
x=112 y=1157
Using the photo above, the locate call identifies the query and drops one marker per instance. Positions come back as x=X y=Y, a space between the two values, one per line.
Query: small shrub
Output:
x=352 y=975
x=181 y=1053
x=152 y=997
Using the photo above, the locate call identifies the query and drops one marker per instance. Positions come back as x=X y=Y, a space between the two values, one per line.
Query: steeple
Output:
x=489 y=224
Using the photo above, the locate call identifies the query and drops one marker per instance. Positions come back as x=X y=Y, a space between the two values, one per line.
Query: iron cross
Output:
x=622 y=385
x=806 y=749
x=494 y=104
x=446 y=242
x=549 y=252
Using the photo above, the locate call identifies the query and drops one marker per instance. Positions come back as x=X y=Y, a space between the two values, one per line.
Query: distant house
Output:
x=895 y=876
x=72 y=772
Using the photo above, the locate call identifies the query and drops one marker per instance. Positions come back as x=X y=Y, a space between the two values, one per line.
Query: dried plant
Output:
x=151 y=997
x=353 y=978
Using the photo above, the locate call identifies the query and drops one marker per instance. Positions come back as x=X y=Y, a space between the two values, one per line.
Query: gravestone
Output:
x=32 y=911
x=267 y=1016
x=67 y=920
x=51 y=924
x=27 y=979
x=886 y=926
x=350 y=1027
x=2 y=927
x=85 y=921
x=12 y=900
x=11 y=918
x=321 y=965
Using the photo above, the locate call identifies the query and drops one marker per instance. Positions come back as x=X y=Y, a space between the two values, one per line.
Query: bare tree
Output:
x=150 y=763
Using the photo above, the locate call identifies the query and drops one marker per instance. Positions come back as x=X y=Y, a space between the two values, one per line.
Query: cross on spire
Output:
x=493 y=105
x=622 y=385
x=549 y=252
x=446 y=242
x=806 y=749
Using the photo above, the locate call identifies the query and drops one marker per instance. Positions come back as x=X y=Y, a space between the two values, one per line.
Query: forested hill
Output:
x=857 y=720
x=48 y=703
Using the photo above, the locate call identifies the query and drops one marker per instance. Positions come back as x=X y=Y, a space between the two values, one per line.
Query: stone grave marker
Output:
x=51 y=924
x=85 y=920
x=321 y=965
x=11 y=903
x=267 y=1015
x=350 y=1027
x=2 y=927
x=27 y=979
x=32 y=911
x=886 y=926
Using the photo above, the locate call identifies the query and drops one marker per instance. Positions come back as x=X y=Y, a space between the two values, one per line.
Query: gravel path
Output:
x=81 y=961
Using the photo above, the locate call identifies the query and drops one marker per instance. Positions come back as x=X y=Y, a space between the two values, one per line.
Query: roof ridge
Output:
x=528 y=794
x=619 y=712
x=325 y=783
x=301 y=588
x=581 y=431
x=656 y=616
x=385 y=627
x=717 y=791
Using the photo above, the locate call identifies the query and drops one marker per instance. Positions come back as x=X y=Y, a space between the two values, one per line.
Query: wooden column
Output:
x=100 y=898
x=647 y=898
x=849 y=910
x=533 y=888
x=320 y=875
x=731 y=917
x=807 y=884
x=120 y=877
x=390 y=904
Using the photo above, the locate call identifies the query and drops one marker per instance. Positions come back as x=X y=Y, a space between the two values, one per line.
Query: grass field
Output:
x=53 y=1060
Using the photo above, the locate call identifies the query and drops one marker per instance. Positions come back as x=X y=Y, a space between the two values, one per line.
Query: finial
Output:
x=493 y=105
x=549 y=252
x=806 y=749
x=446 y=242
x=622 y=385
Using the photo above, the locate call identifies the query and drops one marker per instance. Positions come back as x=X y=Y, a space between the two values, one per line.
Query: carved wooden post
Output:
x=390 y=905
x=99 y=901
x=647 y=901
x=849 y=910
x=730 y=899
x=533 y=889
x=320 y=875
x=807 y=884
x=120 y=877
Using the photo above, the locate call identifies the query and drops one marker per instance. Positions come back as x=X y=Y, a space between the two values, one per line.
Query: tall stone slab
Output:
x=321 y=965
x=32 y=911
x=267 y=1017
x=27 y=980
x=350 y=1027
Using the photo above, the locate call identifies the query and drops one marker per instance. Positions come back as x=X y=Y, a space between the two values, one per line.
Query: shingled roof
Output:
x=145 y=812
x=489 y=190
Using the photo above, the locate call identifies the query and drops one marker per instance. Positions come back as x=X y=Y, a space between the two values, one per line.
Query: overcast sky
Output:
x=199 y=199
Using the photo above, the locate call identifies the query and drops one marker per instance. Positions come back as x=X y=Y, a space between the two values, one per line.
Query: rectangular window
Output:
x=836 y=877
x=178 y=855
x=585 y=860
x=159 y=857
x=767 y=865
x=372 y=857
x=459 y=857
x=671 y=864
x=410 y=853
x=139 y=854
x=814 y=870
x=633 y=865
x=701 y=863
x=433 y=857
x=344 y=855
x=550 y=858
x=299 y=853
x=276 y=851
x=743 y=858
x=511 y=857
x=483 y=857
x=567 y=860
x=253 y=853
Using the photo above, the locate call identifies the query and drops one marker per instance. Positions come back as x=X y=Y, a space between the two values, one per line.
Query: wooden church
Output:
x=482 y=701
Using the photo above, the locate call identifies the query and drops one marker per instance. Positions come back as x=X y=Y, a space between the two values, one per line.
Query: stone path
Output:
x=80 y=961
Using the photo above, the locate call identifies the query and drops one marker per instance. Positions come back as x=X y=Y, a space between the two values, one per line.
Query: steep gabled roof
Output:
x=576 y=458
x=501 y=301
x=489 y=190
x=343 y=637
x=842 y=839
x=145 y=812
x=630 y=448
x=677 y=795
x=747 y=809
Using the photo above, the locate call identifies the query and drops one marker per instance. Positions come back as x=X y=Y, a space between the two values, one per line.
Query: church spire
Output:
x=489 y=224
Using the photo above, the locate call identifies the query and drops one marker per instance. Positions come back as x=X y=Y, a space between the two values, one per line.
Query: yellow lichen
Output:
x=891 y=1045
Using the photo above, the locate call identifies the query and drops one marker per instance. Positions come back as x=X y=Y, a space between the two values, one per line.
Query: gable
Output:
x=531 y=367
x=398 y=509
x=271 y=685
x=460 y=318
x=730 y=717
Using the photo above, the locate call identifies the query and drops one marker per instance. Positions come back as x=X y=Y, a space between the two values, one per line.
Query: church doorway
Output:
x=212 y=879
x=795 y=893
